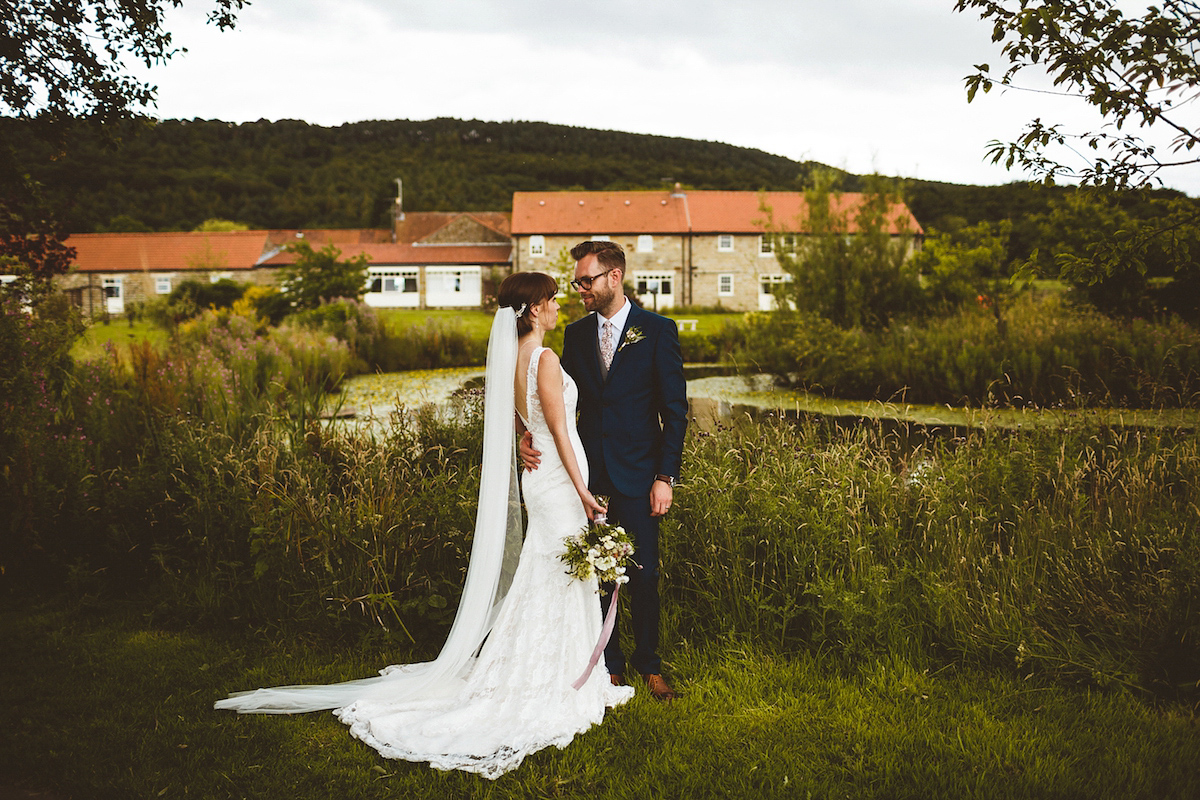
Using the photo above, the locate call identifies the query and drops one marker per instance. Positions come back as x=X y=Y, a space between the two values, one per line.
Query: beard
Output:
x=602 y=299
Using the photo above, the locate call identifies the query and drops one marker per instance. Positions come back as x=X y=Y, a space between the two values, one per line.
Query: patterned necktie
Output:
x=606 y=344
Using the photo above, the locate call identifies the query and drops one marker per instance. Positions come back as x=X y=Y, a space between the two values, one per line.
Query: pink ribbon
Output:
x=610 y=622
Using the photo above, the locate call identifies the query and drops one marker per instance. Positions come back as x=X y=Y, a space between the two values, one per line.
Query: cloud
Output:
x=857 y=84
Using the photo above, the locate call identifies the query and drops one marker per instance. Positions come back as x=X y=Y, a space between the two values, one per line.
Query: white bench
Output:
x=686 y=324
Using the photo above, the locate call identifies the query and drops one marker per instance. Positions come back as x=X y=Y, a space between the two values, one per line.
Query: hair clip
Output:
x=521 y=311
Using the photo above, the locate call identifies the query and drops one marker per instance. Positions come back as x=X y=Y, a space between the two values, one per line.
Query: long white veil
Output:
x=494 y=553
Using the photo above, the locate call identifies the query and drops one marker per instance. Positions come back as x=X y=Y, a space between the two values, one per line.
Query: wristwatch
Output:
x=667 y=479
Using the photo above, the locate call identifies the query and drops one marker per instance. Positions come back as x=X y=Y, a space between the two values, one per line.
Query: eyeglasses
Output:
x=586 y=281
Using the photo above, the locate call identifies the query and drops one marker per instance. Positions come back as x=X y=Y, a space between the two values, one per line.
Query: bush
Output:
x=1045 y=353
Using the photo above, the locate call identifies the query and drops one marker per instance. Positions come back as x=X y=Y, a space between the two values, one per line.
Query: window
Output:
x=662 y=286
x=725 y=284
x=402 y=281
x=600 y=237
x=162 y=284
x=213 y=277
x=725 y=243
x=537 y=246
x=645 y=243
x=769 y=282
x=765 y=246
x=112 y=288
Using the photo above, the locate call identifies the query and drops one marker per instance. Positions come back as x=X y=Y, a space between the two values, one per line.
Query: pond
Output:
x=712 y=398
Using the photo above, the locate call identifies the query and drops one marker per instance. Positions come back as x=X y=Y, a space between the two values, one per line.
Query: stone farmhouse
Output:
x=695 y=248
x=706 y=248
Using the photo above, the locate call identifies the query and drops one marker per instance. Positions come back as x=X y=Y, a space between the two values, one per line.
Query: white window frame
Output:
x=724 y=242
x=600 y=237
x=766 y=246
x=645 y=243
x=537 y=246
x=722 y=279
x=213 y=277
x=162 y=284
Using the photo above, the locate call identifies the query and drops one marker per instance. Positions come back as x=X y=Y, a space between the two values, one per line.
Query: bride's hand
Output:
x=591 y=507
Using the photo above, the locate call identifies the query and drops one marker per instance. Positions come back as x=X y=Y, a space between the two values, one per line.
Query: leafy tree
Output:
x=218 y=225
x=1138 y=70
x=318 y=275
x=1108 y=255
x=846 y=266
x=1132 y=69
x=62 y=60
x=65 y=59
x=964 y=264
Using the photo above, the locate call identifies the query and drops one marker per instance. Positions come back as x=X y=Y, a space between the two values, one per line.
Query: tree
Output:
x=218 y=225
x=1132 y=69
x=318 y=275
x=64 y=59
x=844 y=263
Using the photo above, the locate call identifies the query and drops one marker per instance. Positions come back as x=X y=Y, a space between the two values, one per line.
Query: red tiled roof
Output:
x=168 y=252
x=585 y=213
x=320 y=237
x=416 y=225
x=597 y=212
x=415 y=254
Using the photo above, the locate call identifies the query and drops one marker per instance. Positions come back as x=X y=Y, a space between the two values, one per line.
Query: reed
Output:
x=1066 y=552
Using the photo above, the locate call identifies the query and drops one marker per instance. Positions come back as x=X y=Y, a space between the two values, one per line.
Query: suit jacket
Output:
x=632 y=422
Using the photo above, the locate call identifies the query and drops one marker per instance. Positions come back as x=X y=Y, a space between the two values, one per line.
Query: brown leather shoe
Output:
x=659 y=688
x=617 y=680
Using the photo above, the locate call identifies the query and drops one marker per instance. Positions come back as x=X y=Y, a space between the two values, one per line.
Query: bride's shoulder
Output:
x=547 y=359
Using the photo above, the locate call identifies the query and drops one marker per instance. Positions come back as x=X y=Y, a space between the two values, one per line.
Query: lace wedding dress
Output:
x=484 y=713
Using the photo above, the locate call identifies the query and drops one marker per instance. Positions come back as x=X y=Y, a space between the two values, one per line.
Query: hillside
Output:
x=174 y=174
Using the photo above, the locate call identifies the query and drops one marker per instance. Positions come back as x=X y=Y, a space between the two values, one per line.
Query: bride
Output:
x=501 y=687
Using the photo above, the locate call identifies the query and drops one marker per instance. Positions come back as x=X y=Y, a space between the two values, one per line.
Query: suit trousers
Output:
x=633 y=514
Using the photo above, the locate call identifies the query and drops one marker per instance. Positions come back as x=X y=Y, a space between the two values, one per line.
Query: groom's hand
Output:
x=661 y=495
x=530 y=458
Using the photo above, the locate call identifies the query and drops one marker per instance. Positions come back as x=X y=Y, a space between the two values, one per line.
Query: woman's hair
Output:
x=526 y=289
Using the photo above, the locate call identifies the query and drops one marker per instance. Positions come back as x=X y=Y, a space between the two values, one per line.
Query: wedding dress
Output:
x=484 y=708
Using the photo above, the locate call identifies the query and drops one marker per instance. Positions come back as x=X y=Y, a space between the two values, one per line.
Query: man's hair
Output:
x=610 y=254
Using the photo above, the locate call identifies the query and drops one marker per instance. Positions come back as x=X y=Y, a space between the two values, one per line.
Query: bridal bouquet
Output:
x=599 y=549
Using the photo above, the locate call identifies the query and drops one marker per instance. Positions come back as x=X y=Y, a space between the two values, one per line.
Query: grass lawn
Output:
x=479 y=323
x=100 y=704
x=119 y=332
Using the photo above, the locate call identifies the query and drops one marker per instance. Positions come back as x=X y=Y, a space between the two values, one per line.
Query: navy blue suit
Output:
x=631 y=424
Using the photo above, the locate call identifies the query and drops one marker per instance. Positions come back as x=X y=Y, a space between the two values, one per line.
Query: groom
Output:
x=632 y=415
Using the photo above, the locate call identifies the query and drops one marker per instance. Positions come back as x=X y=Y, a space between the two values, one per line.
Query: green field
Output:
x=120 y=333
x=103 y=704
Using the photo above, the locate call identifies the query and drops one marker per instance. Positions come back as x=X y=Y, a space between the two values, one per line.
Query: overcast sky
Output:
x=866 y=85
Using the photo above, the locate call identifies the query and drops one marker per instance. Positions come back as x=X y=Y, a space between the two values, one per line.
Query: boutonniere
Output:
x=632 y=336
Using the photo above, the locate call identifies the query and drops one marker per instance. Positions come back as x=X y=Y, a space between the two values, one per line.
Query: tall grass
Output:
x=377 y=346
x=1068 y=552
x=1043 y=352
x=203 y=477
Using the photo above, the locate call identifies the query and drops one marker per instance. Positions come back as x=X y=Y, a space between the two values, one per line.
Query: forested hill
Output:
x=174 y=174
